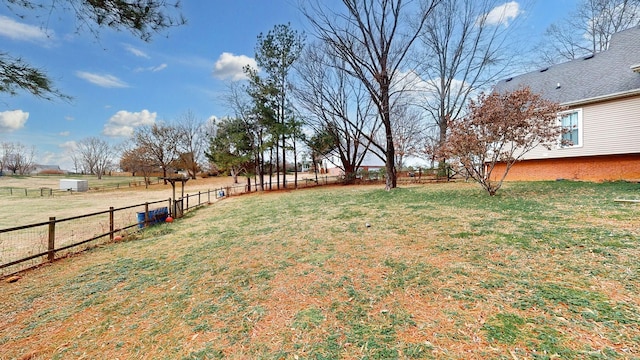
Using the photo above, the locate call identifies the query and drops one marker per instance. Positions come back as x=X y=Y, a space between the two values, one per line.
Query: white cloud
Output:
x=152 y=68
x=64 y=133
x=108 y=81
x=123 y=123
x=503 y=14
x=68 y=146
x=159 y=67
x=20 y=31
x=136 y=52
x=49 y=158
x=229 y=66
x=12 y=120
x=62 y=158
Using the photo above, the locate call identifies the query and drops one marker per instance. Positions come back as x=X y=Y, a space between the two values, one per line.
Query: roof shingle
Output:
x=605 y=73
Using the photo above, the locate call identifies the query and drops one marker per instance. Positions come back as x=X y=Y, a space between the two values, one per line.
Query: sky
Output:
x=118 y=82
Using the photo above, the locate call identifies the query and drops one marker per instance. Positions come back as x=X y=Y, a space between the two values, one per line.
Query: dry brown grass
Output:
x=442 y=272
x=21 y=210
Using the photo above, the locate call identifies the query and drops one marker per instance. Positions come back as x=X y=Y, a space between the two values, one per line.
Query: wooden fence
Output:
x=26 y=246
x=49 y=192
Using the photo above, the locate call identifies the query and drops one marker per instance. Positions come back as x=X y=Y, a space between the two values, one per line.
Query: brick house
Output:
x=602 y=95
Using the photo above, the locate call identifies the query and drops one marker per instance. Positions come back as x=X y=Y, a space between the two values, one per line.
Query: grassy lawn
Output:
x=543 y=270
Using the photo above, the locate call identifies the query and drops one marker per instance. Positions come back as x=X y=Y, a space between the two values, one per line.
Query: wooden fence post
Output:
x=209 y=196
x=111 y=225
x=146 y=214
x=172 y=211
x=52 y=239
x=198 y=198
x=187 y=209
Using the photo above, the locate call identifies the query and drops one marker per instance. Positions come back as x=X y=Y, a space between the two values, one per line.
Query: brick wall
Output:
x=593 y=168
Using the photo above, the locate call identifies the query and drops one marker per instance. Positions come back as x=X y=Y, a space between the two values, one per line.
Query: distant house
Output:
x=47 y=169
x=602 y=94
x=332 y=164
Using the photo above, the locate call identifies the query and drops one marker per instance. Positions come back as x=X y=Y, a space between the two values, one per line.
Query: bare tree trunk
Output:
x=373 y=39
x=284 y=161
x=390 y=180
x=271 y=168
x=277 y=166
x=295 y=164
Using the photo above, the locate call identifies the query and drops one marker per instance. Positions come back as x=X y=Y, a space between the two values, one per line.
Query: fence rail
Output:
x=50 y=192
x=26 y=246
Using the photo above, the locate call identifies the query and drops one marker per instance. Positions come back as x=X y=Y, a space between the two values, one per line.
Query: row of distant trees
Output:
x=161 y=147
x=384 y=77
x=165 y=146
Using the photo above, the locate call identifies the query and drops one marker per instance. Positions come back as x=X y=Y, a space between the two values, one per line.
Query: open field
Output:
x=543 y=270
x=26 y=210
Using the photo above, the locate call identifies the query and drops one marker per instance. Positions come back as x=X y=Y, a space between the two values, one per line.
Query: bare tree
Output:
x=18 y=158
x=5 y=150
x=430 y=146
x=588 y=29
x=465 y=50
x=501 y=128
x=336 y=105
x=373 y=38
x=408 y=132
x=95 y=155
x=193 y=140
x=160 y=142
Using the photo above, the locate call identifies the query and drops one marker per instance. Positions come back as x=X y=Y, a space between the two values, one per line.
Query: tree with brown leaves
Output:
x=501 y=128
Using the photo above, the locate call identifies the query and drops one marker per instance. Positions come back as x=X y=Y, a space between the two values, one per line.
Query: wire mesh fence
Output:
x=30 y=245
x=26 y=246
x=52 y=192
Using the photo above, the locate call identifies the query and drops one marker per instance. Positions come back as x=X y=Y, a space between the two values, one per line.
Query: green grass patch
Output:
x=542 y=270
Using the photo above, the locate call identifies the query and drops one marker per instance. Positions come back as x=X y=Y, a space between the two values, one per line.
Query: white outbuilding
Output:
x=74 y=185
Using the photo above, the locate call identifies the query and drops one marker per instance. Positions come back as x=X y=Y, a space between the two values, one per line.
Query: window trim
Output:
x=579 y=126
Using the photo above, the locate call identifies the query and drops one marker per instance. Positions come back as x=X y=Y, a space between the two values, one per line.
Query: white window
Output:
x=571 y=122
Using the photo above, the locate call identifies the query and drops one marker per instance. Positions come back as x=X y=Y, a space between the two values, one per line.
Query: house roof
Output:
x=608 y=74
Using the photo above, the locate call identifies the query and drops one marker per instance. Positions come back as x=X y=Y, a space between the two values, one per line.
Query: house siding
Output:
x=606 y=88
x=589 y=168
x=599 y=136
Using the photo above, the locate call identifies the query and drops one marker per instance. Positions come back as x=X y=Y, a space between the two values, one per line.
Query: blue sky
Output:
x=119 y=82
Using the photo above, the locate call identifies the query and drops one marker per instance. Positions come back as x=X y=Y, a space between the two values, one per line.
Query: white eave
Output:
x=635 y=68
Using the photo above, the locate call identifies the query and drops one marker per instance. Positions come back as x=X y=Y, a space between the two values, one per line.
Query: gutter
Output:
x=601 y=98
